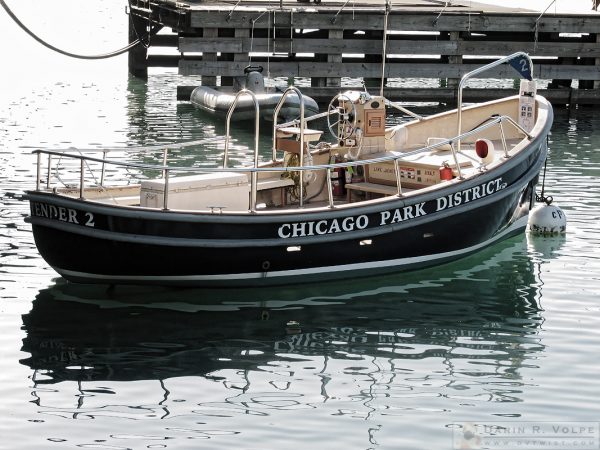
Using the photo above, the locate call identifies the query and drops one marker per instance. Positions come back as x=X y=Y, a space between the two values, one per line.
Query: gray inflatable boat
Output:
x=217 y=102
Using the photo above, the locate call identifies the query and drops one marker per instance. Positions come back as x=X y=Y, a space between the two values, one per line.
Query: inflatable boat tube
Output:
x=217 y=102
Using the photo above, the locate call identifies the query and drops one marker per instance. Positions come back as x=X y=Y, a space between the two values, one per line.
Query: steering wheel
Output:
x=344 y=126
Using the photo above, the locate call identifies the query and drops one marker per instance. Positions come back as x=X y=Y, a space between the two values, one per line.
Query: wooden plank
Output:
x=244 y=34
x=454 y=58
x=445 y=95
x=137 y=63
x=557 y=49
x=336 y=58
x=407 y=47
x=405 y=21
x=223 y=44
x=164 y=40
x=373 y=70
x=162 y=61
x=584 y=96
x=597 y=62
x=210 y=57
x=573 y=72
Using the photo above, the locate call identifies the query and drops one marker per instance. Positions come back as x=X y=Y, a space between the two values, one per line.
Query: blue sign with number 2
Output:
x=522 y=66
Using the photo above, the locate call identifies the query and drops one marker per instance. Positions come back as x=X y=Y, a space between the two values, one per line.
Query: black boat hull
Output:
x=90 y=242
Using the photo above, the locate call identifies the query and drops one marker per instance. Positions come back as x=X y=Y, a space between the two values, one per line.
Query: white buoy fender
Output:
x=547 y=219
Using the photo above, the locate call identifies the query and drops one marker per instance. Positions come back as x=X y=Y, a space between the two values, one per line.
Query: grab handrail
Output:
x=477 y=71
x=144 y=149
x=288 y=91
x=253 y=175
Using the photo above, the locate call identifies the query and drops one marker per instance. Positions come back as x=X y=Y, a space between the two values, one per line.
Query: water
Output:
x=397 y=362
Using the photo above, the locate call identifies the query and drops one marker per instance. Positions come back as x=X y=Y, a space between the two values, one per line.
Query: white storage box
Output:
x=220 y=190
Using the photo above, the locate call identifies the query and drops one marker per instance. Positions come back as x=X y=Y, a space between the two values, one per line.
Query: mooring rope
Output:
x=537 y=22
x=66 y=53
x=543 y=198
x=253 y=21
x=435 y=21
x=469 y=16
x=334 y=18
x=232 y=10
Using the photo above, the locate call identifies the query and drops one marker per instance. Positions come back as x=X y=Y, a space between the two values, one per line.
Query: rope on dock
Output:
x=133 y=44
x=334 y=18
x=537 y=22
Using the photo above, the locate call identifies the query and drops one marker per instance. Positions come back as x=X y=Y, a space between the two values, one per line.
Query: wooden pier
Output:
x=331 y=45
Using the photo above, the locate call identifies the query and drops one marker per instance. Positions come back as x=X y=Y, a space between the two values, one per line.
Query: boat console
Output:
x=360 y=129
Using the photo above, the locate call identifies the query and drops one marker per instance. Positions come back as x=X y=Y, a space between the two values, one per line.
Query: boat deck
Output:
x=277 y=187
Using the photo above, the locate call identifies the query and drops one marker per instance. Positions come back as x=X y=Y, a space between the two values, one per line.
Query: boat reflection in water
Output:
x=469 y=327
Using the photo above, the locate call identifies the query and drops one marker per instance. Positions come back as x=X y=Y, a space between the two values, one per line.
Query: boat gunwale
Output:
x=314 y=213
x=266 y=216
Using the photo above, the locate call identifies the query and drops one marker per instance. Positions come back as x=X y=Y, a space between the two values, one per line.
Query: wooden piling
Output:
x=138 y=65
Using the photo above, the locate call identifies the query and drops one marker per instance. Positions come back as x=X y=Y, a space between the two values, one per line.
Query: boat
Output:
x=217 y=102
x=373 y=199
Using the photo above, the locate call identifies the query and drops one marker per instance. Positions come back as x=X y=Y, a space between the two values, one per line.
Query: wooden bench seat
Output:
x=374 y=188
x=131 y=200
x=273 y=183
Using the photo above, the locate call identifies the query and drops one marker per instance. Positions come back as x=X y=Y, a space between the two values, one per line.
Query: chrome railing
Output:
x=76 y=154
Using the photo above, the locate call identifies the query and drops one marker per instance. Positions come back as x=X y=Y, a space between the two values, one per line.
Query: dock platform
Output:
x=330 y=45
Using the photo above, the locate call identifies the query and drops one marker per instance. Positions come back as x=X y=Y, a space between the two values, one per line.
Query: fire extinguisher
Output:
x=446 y=172
x=338 y=178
